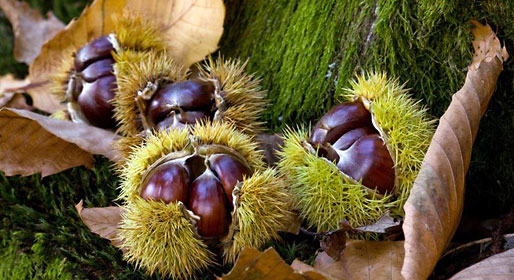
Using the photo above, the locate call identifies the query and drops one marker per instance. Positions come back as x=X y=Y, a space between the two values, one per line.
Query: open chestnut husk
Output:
x=87 y=81
x=360 y=159
x=162 y=95
x=196 y=194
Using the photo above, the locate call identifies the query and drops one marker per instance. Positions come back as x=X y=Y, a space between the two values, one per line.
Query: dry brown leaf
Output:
x=434 y=207
x=31 y=30
x=310 y=272
x=193 y=29
x=252 y=264
x=102 y=221
x=32 y=143
x=383 y=224
x=363 y=259
x=10 y=89
x=334 y=244
x=497 y=267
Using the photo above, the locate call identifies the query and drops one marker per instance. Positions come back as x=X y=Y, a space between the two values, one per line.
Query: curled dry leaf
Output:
x=434 y=207
x=252 y=264
x=192 y=27
x=382 y=225
x=31 y=30
x=102 y=221
x=499 y=267
x=31 y=143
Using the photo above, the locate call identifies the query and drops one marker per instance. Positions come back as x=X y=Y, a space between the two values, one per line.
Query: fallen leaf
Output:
x=192 y=27
x=102 y=221
x=382 y=225
x=364 y=259
x=9 y=89
x=309 y=271
x=252 y=264
x=434 y=207
x=499 y=266
x=31 y=143
x=334 y=244
x=31 y=30
x=18 y=101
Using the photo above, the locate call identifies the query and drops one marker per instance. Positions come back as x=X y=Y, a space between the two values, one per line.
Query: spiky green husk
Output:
x=322 y=195
x=242 y=93
x=59 y=79
x=262 y=209
x=134 y=70
x=138 y=34
x=407 y=128
x=262 y=204
x=159 y=237
x=154 y=146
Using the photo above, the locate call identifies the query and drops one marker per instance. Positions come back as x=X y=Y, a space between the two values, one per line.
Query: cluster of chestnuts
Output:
x=203 y=183
x=204 y=191
x=345 y=135
x=193 y=180
x=92 y=84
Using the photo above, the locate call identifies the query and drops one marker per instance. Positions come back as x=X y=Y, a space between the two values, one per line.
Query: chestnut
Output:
x=346 y=135
x=94 y=101
x=186 y=102
x=95 y=83
x=168 y=182
x=93 y=51
x=339 y=120
x=369 y=160
x=207 y=200
x=229 y=170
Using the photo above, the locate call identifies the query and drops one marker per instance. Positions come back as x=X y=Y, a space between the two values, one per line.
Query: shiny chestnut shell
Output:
x=168 y=182
x=369 y=160
x=179 y=103
x=229 y=170
x=95 y=82
x=346 y=136
x=207 y=200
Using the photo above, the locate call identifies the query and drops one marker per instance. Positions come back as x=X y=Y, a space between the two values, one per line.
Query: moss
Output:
x=18 y=264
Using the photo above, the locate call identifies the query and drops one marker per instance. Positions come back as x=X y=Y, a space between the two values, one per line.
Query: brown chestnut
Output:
x=93 y=51
x=95 y=83
x=346 y=136
x=368 y=159
x=168 y=182
x=94 y=101
x=192 y=100
x=229 y=170
x=340 y=119
x=207 y=200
